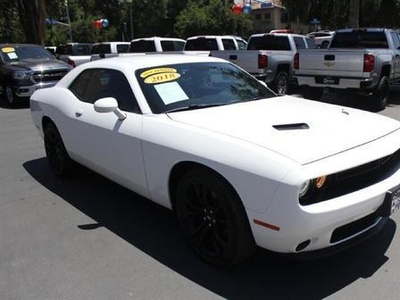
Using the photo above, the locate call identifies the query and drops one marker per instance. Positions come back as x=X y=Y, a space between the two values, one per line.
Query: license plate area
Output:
x=327 y=80
x=391 y=204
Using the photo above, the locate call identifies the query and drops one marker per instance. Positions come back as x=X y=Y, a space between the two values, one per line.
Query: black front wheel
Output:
x=213 y=218
x=9 y=95
x=57 y=156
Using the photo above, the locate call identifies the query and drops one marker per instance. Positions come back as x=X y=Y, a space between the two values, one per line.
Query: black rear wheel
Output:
x=380 y=96
x=57 y=156
x=281 y=83
x=213 y=218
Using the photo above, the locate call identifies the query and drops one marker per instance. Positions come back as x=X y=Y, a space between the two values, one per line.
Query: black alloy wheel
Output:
x=213 y=218
x=57 y=156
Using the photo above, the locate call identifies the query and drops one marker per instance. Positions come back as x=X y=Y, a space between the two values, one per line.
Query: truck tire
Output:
x=281 y=83
x=9 y=95
x=380 y=96
x=312 y=93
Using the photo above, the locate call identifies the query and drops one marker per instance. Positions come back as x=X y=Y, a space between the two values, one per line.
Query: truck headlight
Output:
x=20 y=75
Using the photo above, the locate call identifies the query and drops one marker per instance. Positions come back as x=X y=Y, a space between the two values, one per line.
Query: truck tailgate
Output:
x=246 y=59
x=333 y=62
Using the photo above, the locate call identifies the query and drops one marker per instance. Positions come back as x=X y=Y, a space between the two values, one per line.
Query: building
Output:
x=270 y=15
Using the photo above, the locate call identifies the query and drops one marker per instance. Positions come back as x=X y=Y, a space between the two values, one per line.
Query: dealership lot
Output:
x=87 y=238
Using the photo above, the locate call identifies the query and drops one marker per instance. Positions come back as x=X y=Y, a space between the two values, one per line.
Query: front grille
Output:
x=49 y=75
x=357 y=178
x=353 y=228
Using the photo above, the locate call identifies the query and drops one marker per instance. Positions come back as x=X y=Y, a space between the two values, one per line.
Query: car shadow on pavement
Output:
x=154 y=230
x=354 y=100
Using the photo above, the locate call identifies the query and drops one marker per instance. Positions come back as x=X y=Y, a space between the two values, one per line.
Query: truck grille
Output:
x=49 y=75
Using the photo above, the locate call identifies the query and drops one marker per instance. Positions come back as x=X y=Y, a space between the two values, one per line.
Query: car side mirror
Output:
x=109 y=104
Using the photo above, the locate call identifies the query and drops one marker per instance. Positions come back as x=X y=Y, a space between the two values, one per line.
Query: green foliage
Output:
x=214 y=18
x=179 y=18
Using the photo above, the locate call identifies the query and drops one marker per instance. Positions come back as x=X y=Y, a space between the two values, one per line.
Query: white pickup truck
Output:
x=156 y=44
x=96 y=51
x=366 y=61
x=269 y=57
x=215 y=42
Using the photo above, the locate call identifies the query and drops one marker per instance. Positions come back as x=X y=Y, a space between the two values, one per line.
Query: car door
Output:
x=101 y=141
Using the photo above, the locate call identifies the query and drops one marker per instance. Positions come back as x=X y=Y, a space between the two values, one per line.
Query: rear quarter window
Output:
x=269 y=42
x=201 y=44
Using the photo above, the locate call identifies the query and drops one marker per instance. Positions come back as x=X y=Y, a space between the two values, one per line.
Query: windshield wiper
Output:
x=193 y=107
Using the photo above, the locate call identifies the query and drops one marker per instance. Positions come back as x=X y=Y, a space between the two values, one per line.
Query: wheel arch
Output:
x=386 y=69
x=178 y=171
x=283 y=67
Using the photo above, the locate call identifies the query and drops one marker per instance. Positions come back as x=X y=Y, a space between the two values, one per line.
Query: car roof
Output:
x=158 y=38
x=20 y=45
x=150 y=60
x=213 y=37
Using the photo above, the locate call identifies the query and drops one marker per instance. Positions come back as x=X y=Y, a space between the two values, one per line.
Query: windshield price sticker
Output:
x=157 y=70
x=395 y=201
x=162 y=77
x=7 y=50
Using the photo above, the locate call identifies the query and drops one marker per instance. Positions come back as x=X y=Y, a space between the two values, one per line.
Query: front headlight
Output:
x=310 y=187
x=21 y=75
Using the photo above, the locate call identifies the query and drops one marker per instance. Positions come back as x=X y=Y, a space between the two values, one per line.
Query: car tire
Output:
x=324 y=44
x=281 y=83
x=380 y=96
x=57 y=156
x=312 y=93
x=213 y=218
x=9 y=95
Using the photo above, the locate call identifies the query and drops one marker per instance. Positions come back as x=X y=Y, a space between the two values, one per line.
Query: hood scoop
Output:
x=294 y=126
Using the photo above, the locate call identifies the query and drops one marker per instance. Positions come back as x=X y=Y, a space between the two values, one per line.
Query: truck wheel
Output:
x=9 y=95
x=312 y=93
x=380 y=96
x=281 y=83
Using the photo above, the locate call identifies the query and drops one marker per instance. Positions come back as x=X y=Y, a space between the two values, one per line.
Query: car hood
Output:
x=40 y=64
x=303 y=130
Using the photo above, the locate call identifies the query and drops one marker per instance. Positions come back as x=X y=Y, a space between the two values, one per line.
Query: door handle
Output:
x=78 y=113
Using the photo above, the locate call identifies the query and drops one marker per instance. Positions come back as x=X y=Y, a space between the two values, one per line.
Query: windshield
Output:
x=11 y=54
x=196 y=85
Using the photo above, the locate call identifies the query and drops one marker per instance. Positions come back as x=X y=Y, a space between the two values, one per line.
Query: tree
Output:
x=214 y=18
x=32 y=18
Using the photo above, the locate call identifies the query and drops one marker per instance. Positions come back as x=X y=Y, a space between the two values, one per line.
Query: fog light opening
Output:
x=303 y=245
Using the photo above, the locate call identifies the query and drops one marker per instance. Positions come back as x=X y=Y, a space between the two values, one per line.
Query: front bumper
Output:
x=27 y=91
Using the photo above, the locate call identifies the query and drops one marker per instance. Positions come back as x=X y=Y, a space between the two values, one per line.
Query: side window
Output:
x=395 y=39
x=229 y=44
x=310 y=44
x=300 y=44
x=80 y=84
x=122 y=48
x=242 y=45
x=94 y=84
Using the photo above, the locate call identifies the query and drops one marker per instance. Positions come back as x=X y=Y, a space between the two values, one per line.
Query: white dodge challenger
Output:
x=240 y=166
